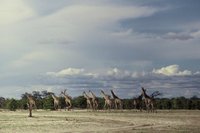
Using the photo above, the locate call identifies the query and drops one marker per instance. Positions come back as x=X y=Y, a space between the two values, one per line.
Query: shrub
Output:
x=48 y=103
x=12 y=105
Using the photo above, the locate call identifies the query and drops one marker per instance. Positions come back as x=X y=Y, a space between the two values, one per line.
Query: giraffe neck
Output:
x=54 y=97
x=93 y=95
x=86 y=96
x=66 y=97
x=29 y=98
x=146 y=96
x=114 y=96
x=104 y=95
x=107 y=97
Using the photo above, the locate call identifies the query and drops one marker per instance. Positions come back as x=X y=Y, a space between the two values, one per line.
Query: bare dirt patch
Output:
x=101 y=121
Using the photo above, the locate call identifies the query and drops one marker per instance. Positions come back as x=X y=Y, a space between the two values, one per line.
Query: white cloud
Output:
x=120 y=74
x=103 y=13
x=115 y=72
x=197 y=73
x=111 y=73
x=172 y=70
x=14 y=11
x=72 y=72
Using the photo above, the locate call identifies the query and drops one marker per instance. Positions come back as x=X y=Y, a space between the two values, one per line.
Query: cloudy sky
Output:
x=100 y=44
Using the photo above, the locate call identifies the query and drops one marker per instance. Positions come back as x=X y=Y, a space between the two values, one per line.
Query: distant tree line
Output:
x=45 y=101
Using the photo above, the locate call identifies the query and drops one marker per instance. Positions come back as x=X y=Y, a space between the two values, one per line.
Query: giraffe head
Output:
x=90 y=92
x=28 y=95
x=63 y=92
x=84 y=93
x=50 y=93
x=102 y=91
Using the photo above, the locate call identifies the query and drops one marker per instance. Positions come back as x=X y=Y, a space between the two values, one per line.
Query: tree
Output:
x=2 y=102
x=127 y=103
x=62 y=102
x=37 y=95
x=79 y=102
x=101 y=102
x=48 y=103
x=44 y=94
x=12 y=105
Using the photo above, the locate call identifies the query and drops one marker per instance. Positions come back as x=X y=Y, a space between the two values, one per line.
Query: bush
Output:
x=79 y=102
x=48 y=103
x=12 y=105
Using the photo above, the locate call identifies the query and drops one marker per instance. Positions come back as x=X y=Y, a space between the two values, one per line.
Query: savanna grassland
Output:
x=100 y=121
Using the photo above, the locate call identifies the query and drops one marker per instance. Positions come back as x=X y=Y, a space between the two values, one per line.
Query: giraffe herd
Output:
x=93 y=103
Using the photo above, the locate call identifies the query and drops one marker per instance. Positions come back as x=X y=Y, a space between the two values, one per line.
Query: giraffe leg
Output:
x=105 y=105
x=152 y=108
x=95 y=105
x=70 y=106
x=87 y=106
x=140 y=107
x=121 y=105
x=59 y=107
x=115 y=105
x=109 y=106
x=147 y=105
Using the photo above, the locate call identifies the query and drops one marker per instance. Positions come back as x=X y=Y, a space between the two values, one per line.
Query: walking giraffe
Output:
x=107 y=99
x=31 y=103
x=94 y=100
x=88 y=100
x=137 y=102
x=68 y=99
x=56 y=101
x=117 y=101
x=149 y=101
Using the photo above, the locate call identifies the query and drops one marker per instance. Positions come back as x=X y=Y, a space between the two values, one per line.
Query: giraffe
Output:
x=117 y=101
x=149 y=101
x=137 y=102
x=68 y=99
x=31 y=102
x=108 y=101
x=94 y=100
x=89 y=100
x=56 y=101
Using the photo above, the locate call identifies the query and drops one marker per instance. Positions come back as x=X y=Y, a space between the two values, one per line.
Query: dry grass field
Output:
x=101 y=121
